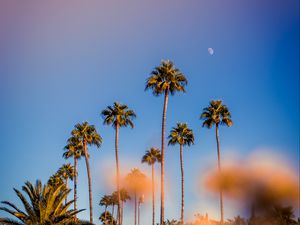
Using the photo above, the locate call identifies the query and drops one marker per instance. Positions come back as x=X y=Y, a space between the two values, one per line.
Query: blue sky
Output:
x=63 y=62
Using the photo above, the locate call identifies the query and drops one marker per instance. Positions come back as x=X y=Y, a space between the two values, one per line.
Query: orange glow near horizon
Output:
x=258 y=180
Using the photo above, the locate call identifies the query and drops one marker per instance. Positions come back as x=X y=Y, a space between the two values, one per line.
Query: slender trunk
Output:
x=122 y=210
x=139 y=212
x=105 y=213
x=135 y=208
x=66 y=183
x=75 y=183
x=182 y=186
x=118 y=174
x=219 y=169
x=89 y=180
x=153 y=197
x=162 y=198
x=113 y=211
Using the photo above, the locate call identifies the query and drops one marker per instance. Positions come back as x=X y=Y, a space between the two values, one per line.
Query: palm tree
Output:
x=105 y=201
x=119 y=116
x=55 y=180
x=165 y=79
x=152 y=156
x=136 y=181
x=181 y=135
x=44 y=205
x=124 y=197
x=107 y=219
x=74 y=148
x=217 y=114
x=279 y=214
x=140 y=201
x=114 y=201
x=87 y=135
x=66 y=172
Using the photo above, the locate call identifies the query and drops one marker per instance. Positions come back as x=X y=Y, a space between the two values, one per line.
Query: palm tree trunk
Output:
x=219 y=169
x=66 y=183
x=139 y=212
x=162 y=198
x=182 y=186
x=113 y=210
x=75 y=183
x=105 y=212
x=135 y=203
x=122 y=210
x=153 y=196
x=89 y=180
x=118 y=174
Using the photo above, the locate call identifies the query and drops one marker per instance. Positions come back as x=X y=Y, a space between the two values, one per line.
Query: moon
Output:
x=210 y=51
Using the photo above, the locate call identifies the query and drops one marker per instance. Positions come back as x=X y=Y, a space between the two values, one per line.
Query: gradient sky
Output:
x=62 y=62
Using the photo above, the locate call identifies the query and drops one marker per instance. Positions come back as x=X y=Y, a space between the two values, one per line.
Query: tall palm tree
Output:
x=44 y=205
x=217 y=114
x=151 y=157
x=136 y=180
x=164 y=80
x=66 y=171
x=74 y=148
x=119 y=116
x=140 y=201
x=181 y=135
x=87 y=134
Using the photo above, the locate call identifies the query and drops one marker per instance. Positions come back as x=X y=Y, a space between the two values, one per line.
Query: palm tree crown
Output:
x=118 y=115
x=74 y=148
x=87 y=133
x=135 y=178
x=166 y=78
x=44 y=205
x=181 y=135
x=124 y=195
x=55 y=180
x=66 y=171
x=216 y=113
x=152 y=156
x=105 y=201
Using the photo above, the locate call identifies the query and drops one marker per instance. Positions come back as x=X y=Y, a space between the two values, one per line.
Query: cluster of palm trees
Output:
x=112 y=200
x=82 y=136
x=164 y=80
